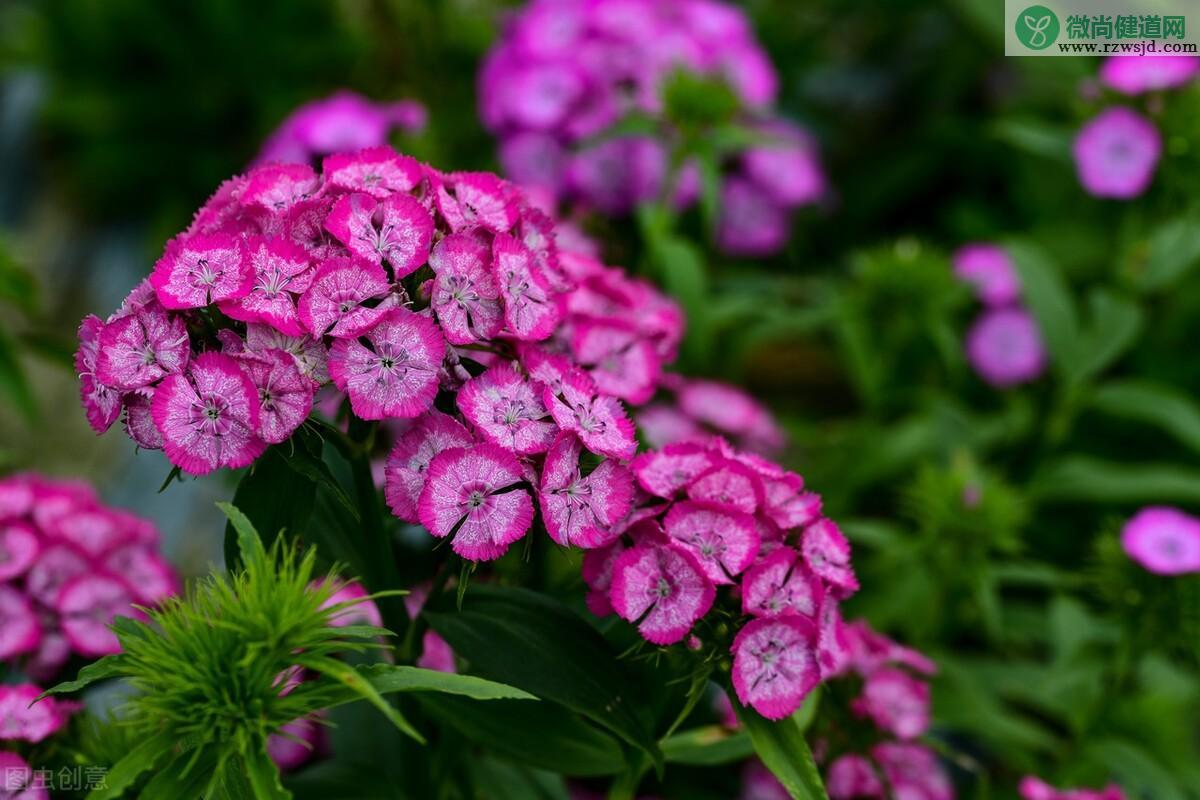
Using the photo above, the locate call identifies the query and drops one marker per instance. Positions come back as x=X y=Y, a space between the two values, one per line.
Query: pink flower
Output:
x=618 y=174
x=397 y=229
x=506 y=409
x=1135 y=75
x=786 y=167
x=619 y=358
x=475 y=494
x=661 y=424
x=20 y=631
x=470 y=199
x=101 y=403
x=466 y=296
x=139 y=349
x=344 y=122
x=758 y=783
x=1005 y=347
x=580 y=510
x=285 y=397
x=23 y=719
x=146 y=574
x=17 y=779
x=308 y=352
x=19 y=548
x=296 y=743
x=139 y=421
x=730 y=485
x=827 y=554
x=988 y=268
x=852 y=776
x=775 y=664
x=409 y=459
x=531 y=310
x=359 y=609
x=55 y=565
x=665 y=472
x=335 y=302
x=377 y=171
x=752 y=224
x=202 y=269
x=397 y=376
x=1164 y=540
x=781 y=584
x=896 y=702
x=913 y=771
x=1116 y=153
x=86 y=606
x=278 y=187
x=1032 y=788
x=662 y=588
x=209 y=417
x=282 y=271
x=596 y=571
x=724 y=542
x=598 y=420
x=732 y=412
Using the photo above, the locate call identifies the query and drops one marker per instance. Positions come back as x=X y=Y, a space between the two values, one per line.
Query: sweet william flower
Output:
x=397 y=229
x=662 y=588
x=781 y=584
x=853 y=776
x=408 y=461
x=827 y=553
x=1032 y=788
x=21 y=632
x=913 y=770
x=1163 y=540
x=598 y=420
x=282 y=272
x=465 y=294
x=18 y=780
x=336 y=302
x=284 y=395
x=474 y=493
x=506 y=409
x=202 y=269
x=138 y=349
x=24 y=720
x=896 y=702
x=775 y=664
x=724 y=542
x=1005 y=347
x=1133 y=75
x=1116 y=154
x=581 y=510
x=990 y=271
x=341 y=123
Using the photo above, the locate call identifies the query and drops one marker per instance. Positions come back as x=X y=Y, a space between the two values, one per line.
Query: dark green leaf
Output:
x=359 y=685
x=1162 y=406
x=529 y=641
x=274 y=498
x=318 y=472
x=1036 y=137
x=386 y=678
x=138 y=761
x=783 y=750
x=1083 y=478
x=105 y=668
x=1174 y=249
x=510 y=782
x=1049 y=298
x=1114 y=325
x=250 y=546
x=13 y=381
x=707 y=746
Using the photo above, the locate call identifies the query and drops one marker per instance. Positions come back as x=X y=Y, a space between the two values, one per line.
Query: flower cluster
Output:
x=564 y=72
x=18 y=780
x=68 y=565
x=1032 y=788
x=895 y=699
x=341 y=123
x=395 y=282
x=1004 y=344
x=1117 y=151
x=1164 y=540
x=699 y=408
x=707 y=517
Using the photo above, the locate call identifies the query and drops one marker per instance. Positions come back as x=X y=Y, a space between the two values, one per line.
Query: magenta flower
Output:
x=209 y=416
x=377 y=171
x=397 y=374
x=279 y=187
x=620 y=359
x=827 y=554
x=101 y=403
x=18 y=781
x=729 y=485
x=786 y=166
x=201 y=269
x=409 y=459
x=56 y=564
x=775 y=664
x=751 y=223
x=359 y=609
x=466 y=295
x=336 y=300
x=852 y=776
x=531 y=310
x=396 y=229
x=341 y=123
x=662 y=588
x=1165 y=541
x=913 y=770
x=724 y=542
x=665 y=472
x=730 y=412
x=23 y=719
x=598 y=420
x=1032 y=788
x=506 y=409
x=780 y=584
x=20 y=632
x=296 y=743
x=581 y=510
x=1005 y=347
x=1135 y=75
x=475 y=494
x=285 y=396
x=86 y=606
x=1116 y=154
x=596 y=571
x=19 y=548
x=475 y=200
x=139 y=349
x=896 y=702
x=282 y=272
x=989 y=270
x=619 y=174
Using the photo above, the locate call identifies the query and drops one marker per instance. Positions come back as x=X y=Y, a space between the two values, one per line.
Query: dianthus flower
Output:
x=1032 y=788
x=1005 y=347
x=990 y=272
x=1164 y=540
x=565 y=71
x=343 y=122
x=1135 y=75
x=1116 y=153
x=693 y=409
x=22 y=719
x=68 y=565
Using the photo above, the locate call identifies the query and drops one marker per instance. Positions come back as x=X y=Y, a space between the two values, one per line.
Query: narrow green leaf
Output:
x=318 y=472
x=13 y=381
x=350 y=678
x=1049 y=298
x=1036 y=137
x=1088 y=479
x=1173 y=251
x=387 y=678
x=263 y=776
x=274 y=498
x=250 y=546
x=782 y=748
x=1114 y=325
x=138 y=761
x=106 y=667
x=707 y=746
x=1162 y=406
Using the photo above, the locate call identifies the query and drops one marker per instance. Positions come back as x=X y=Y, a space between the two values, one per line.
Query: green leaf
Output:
x=681 y=268
x=133 y=765
x=1173 y=251
x=105 y=668
x=1137 y=770
x=527 y=640
x=543 y=735
x=783 y=750
x=1162 y=406
x=13 y=381
x=1088 y=479
x=264 y=777
x=1037 y=138
x=387 y=678
x=1114 y=325
x=274 y=498
x=707 y=746
x=509 y=782
x=1049 y=298
x=359 y=685
x=250 y=546
x=318 y=472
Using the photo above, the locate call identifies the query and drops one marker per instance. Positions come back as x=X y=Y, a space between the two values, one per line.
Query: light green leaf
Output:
x=1114 y=325
x=387 y=678
x=138 y=761
x=1174 y=250
x=13 y=381
x=707 y=746
x=1049 y=298
x=351 y=679
x=1088 y=479
x=1154 y=404
x=263 y=776
x=782 y=748
x=250 y=546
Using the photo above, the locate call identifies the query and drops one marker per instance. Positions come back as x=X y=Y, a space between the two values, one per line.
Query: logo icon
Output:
x=1037 y=27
